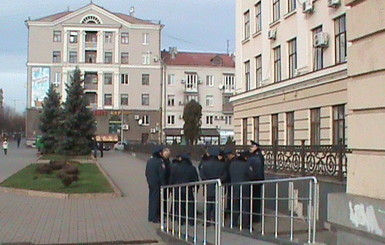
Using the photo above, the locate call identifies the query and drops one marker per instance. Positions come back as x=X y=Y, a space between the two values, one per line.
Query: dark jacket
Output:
x=239 y=172
x=167 y=163
x=256 y=167
x=156 y=171
x=212 y=169
x=183 y=172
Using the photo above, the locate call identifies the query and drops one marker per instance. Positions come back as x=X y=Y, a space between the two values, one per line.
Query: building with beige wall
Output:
x=207 y=78
x=118 y=54
x=291 y=72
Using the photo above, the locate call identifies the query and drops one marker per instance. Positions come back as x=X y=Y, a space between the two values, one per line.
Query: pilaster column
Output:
x=116 y=55
x=100 y=55
x=100 y=89
x=63 y=86
x=65 y=46
x=116 y=94
x=82 y=39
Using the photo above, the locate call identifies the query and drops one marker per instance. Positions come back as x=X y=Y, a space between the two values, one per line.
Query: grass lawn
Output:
x=61 y=157
x=91 y=180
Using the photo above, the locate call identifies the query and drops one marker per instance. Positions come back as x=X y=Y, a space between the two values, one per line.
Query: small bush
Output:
x=57 y=164
x=67 y=179
x=44 y=169
x=69 y=169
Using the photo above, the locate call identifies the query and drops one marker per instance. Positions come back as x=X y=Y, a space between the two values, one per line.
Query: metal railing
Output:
x=180 y=217
x=273 y=208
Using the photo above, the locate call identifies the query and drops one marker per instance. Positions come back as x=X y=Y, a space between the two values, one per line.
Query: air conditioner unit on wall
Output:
x=272 y=35
x=125 y=126
x=308 y=7
x=137 y=117
x=321 y=40
x=334 y=3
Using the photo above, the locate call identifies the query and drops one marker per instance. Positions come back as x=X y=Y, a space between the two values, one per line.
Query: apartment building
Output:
x=117 y=53
x=291 y=73
x=207 y=78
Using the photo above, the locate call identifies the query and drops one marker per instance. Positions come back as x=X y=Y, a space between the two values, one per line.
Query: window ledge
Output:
x=275 y=23
x=256 y=34
x=246 y=41
x=287 y=15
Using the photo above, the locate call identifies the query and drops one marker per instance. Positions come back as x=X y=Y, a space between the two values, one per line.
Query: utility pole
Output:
x=228 y=47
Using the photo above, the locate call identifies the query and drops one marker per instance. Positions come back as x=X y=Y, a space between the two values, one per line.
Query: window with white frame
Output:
x=210 y=80
x=246 y=25
x=57 y=80
x=170 y=100
x=56 y=57
x=146 y=59
x=124 y=38
x=124 y=58
x=170 y=119
x=292 y=57
x=145 y=99
x=108 y=37
x=210 y=120
x=107 y=99
x=108 y=57
x=258 y=70
x=229 y=82
x=171 y=79
x=228 y=120
x=124 y=99
x=276 y=10
x=73 y=37
x=73 y=57
x=192 y=81
x=258 y=17
x=146 y=38
x=107 y=78
x=277 y=64
x=291 y=5
x=318 y=52
x=189 y=98
x=340 y=39
x=145 y=120
x=247 y=75
x=57 y=36
x=146 y=79
x=124 y=78
x=209 y=100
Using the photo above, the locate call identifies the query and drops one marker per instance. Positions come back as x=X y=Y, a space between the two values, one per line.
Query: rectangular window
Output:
x=256 y=129
x=209 y=120
x=57 y=36
x=57 y=80
x=276 y=10
x=171 y=79
x=145 y=99
x=318 y=51
x=73 y=57
x=73 y=36
x=108 y=37
x=210 y=80
x=189 y=98
x=247 y=75
x=124 y=99
x=229 y=82
x=107 y=78
x=228 y=120
x=146 y=38
x=90 y=56
x=91 y=98
x=258 y=17
x=340 y=39
x=56 y=57
x=124 y=58
x=145 y=120
x=246 y=28
x=291 y=5
x=170 y=100
x=339 y=124
x=244 y=131
x=290 y=128
x=91 y=37
x=274 y=129
x=292 y=57
x=191 y=81
x=146 y=59
x=315 y=126
x=258 y=71
x=124 y=38
x=209 y=100
x=145 y=79
x=91 y=78
x=171 y=119
x=277 y=64
x=107 y=99
x=108 y=57
x=124 y=79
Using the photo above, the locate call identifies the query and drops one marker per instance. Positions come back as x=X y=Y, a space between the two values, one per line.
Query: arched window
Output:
x=91 y=19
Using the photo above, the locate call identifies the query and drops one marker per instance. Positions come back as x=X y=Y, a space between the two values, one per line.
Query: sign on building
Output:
x=39 y=85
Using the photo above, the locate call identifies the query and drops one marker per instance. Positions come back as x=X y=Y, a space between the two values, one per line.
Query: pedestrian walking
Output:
x=256 y=172
x=18 y=139
x=95 y=147
x=181 y=173
x=213 y=168
x=101 y=148
x=156 y=177
x=239 y=172
x=5 y=146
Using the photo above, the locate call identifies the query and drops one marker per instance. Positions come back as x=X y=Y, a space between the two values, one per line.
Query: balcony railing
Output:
x=90 y=86
x=91 y=45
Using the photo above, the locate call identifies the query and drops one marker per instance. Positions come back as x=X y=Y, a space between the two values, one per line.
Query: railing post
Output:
x=275 y=153
x=303 y=157
x=340 y=149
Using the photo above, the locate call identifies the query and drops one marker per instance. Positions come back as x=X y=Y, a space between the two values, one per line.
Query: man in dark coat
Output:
x=181 y=173
x=229 y=158
x=101 y=148
x=239 y=172
x=156 y=177
x=213 y=168
x=256 y=172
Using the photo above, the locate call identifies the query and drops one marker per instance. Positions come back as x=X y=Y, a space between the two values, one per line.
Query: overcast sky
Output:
x=194 y=25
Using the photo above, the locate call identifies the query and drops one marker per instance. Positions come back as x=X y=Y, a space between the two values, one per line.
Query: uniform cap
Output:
x=254 y=143
x=214 y=151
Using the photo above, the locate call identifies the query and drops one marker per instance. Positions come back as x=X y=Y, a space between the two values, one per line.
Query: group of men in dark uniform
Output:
x=228 y=166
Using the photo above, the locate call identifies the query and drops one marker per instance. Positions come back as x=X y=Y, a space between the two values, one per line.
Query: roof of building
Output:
x=198 y=59
x=125 y=17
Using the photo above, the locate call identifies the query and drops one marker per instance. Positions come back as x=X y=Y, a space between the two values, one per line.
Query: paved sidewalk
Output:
x=53 y=221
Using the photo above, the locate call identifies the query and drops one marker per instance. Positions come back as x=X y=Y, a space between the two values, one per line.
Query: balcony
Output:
x=90 y=81
x=191 y=88
x=91 y=41
x=91 y=45
x=227 y=108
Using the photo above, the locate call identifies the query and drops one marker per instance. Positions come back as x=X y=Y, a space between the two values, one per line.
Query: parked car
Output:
x=119 y=146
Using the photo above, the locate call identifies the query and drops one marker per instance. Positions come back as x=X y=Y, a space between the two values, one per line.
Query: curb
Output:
x=117 y=191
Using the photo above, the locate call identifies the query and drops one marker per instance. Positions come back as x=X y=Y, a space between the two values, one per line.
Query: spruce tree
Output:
x=192 y=115
x=78 y=123
x=50 y=120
